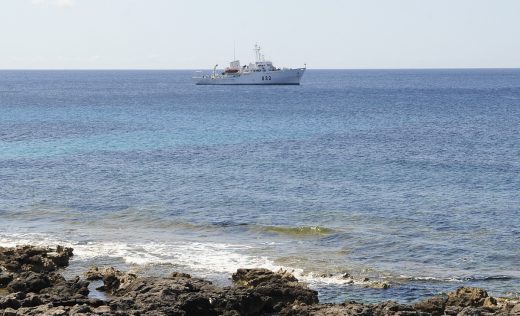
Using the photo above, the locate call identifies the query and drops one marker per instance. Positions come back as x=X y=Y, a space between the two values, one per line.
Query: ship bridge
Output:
x=261 y=64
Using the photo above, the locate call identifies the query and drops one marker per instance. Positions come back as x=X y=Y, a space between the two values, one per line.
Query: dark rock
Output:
x=68 y=289
x=93 y=273
x=255 y=277
x=33 y=263
x=164 y=293
x=9 y=312
x=350 y=309
x=32 y=300
x=103 y=309
x=452 y=310
x=277 y=289
x=57 y=301
x=378 y=285
x=196 y=304
x=489 y=302
x=29 y=282
x=515 y=310
x=326 y=275
x=36 y=259
x=5 y=278
x=264 y=292
x=60 y=258
x=281 y=294
x=393 y=308
x=58 y=311
x=434 y=306
x=95 y=302
x=470 y=311
x=180 y=275
x=115 y=280
x=80 y=309
x=36 y=288
x=10 y=301
x=467 y=296
x=12 y=266
x=241 y=301
x=28 y=251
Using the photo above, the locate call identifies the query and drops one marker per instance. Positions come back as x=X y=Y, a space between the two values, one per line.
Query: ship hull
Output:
x=277 y=77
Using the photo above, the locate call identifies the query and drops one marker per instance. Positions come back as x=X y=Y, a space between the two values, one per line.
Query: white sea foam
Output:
x=213 y=257
x=203 y=258
x=12 y=240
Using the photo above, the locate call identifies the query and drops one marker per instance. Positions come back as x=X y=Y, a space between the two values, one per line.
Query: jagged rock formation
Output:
x=31 y=285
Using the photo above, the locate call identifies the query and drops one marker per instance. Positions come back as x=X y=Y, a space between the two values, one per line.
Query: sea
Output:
x=367 y=185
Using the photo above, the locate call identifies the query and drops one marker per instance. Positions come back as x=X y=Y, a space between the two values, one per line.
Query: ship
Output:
x=261 y=72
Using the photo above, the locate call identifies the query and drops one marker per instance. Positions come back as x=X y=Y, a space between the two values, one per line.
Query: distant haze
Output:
x=170 y=34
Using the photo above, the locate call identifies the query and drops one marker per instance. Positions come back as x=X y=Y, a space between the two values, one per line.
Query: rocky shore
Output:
x=30 y=284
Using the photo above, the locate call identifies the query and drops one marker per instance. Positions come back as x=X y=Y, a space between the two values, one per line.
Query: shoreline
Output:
x=31 y=284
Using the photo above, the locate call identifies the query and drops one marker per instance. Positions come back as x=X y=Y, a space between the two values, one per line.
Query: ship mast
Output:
x=258 y=56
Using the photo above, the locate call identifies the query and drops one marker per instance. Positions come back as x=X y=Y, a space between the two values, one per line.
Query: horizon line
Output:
x=195 y=69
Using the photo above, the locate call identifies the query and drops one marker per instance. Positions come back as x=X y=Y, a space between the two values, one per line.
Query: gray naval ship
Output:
x=262 y=72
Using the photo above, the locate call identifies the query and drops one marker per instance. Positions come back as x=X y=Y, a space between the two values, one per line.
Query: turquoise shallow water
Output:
x=406 y=177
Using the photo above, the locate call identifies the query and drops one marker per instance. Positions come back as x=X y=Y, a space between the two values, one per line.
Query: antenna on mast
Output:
x=258 y=56
x=234 y=58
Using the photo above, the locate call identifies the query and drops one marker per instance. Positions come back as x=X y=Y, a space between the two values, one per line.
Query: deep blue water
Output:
x=410 y=177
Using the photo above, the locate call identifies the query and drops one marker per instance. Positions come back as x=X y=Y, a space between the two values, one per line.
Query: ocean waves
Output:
x=374 y=174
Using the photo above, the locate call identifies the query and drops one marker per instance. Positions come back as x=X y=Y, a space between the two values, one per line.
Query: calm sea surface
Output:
x=405 y=177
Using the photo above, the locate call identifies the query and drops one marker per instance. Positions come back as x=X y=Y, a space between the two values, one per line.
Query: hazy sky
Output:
x=170 y=34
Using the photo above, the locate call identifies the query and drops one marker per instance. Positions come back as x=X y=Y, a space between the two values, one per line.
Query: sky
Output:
x=197 y=34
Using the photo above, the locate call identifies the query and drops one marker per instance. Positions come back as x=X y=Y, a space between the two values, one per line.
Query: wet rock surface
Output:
x=30 y=278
